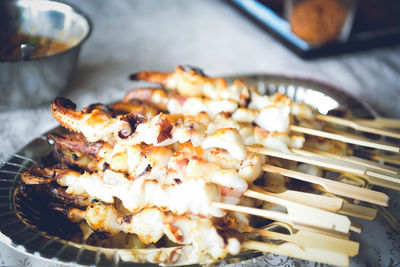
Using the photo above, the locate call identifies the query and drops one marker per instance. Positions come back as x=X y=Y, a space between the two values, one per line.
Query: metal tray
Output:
x=25 y=229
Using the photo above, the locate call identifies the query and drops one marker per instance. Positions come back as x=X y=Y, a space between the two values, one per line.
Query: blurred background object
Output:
x=314 y=28
x=321 y=21
x=39 y=48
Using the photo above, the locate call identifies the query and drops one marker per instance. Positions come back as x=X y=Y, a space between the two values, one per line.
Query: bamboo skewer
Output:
x=357 y=126
x=309 y=160
x=356 y=168
x=334 y=187
x=375 y=165
x=295 y=209
x=345 y=138
x=296 y=213
x=382 y=183
x=297 y=251
x=331 y=204
x=356 y=160
x=394 y=223
x=345 y=236
x=310 y=239
x=320 y=161
x=380 y=122
x=393 y=159
x=358 y=211
x=313 y=200
x=356 y=227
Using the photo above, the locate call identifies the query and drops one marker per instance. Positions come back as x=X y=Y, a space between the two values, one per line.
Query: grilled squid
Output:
x=94 y=124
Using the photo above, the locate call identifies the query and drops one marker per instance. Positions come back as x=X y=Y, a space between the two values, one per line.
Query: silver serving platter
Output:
x=24 y=227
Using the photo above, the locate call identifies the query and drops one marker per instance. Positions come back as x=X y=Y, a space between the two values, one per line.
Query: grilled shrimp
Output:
x=192 y=82
x=135 y=107
x=177 y=104
x=157 y=97
x=187 y=80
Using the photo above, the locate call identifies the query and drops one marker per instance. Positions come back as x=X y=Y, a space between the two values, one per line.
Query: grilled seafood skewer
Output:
x=194 y=195
x=166 y=165
x=164 y=130
x=151 y=224
x=189 y=81
x=259 y=107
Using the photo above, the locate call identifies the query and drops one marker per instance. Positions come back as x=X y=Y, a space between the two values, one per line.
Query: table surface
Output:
x=130 y=36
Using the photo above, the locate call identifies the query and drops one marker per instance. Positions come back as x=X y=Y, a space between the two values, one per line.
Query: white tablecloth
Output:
x=130 y=36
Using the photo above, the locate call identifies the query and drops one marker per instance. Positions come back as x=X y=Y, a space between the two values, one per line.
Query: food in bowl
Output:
x=10 y=46
x=29 y=80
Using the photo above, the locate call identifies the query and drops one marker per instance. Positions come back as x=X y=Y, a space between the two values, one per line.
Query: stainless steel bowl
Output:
x=28 y=83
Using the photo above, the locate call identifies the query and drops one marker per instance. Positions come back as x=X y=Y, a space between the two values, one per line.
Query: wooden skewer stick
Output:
x=356 y=160
x=323 y=232
x=381 y=122
x=296 y=213
x=382 y=183
x=345 y=139
x=358 y=211
x=356 y=227
x=394 y=159
x=332 y=204
x=310 y=239
x=356 y=126
x=334 y=187
x=325 y=156
x=394 y=223
x=297 y=251
x=309 y=160
x=326 y=163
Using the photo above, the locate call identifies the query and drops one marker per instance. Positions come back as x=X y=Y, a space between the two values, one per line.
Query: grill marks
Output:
x=42 y=176
x=134 y=120
x=77 y=142
x=166 y=128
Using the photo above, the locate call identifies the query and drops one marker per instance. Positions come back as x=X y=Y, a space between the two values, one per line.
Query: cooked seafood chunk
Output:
x=158 y=97
x=193 y=196
x=228 y=139
x=271 y=118
x=194 y=105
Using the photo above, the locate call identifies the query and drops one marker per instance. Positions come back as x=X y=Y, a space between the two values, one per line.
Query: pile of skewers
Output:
x=198 y=161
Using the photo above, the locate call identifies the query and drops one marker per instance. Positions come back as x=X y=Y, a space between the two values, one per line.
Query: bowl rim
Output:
x=76 y=10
